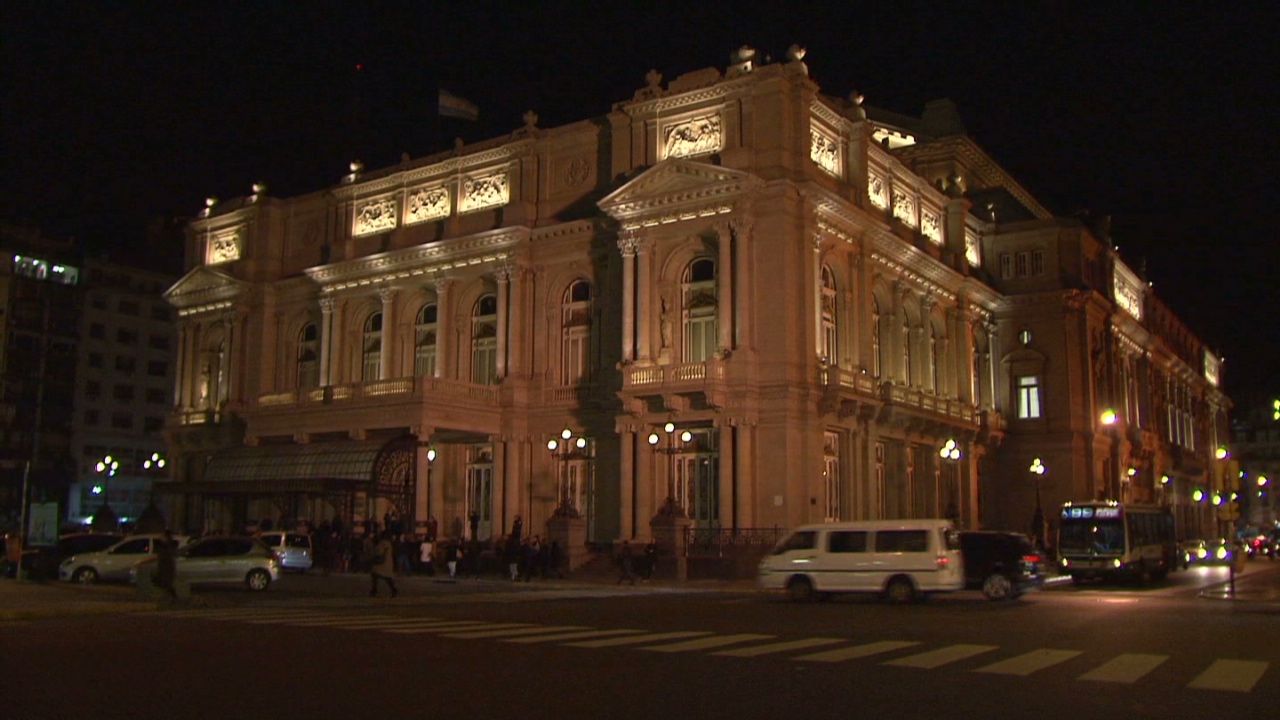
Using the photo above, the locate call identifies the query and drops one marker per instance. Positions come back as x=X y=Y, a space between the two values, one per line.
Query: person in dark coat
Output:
x=625 y=561
x=511 y=556
x=383 y=566
x=517 y=528
x=167 y=564
x=650 y=559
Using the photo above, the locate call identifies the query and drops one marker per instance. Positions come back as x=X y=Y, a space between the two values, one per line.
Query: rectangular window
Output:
x=91 y=417
x=98 y=303
x=95 y=360
x=159 y=312
x=158 y=342
x=156 y=396
x=157 y=368
x=848 y=542
x=126 y=337
x=1029 y=396
x=1037 y=262
x=901 y=541
x=128 y=307
x=1020 y=266
x=122 y=392
x=152 y=424
x=92 y=389
x=122 y=421
x=1006 y=266
x=97 y=331
x=125 y=364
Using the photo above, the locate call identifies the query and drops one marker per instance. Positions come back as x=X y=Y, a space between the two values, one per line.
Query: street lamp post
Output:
x=1108 y=419
x=950 y=452
x=564 y=449
x=670 y=449
x=104 y=518
x=1037 y=470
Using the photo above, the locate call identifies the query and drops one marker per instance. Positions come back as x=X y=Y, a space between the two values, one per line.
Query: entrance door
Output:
x=480 y=499
x=698 y=488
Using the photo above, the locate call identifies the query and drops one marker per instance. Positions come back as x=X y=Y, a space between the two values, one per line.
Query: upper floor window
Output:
x=876 y=359
x=828 y=311
x=127 y=307
x=575 y=333
x=698 y=309
x=424 y=342
x=1028 y=396
x=484 y=341
x=371 y=349
x=308 y=370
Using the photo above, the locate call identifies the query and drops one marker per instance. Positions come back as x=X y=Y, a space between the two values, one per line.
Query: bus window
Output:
x=1078 y=535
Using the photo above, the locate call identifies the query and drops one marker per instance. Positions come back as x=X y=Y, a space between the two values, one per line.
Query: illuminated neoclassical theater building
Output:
x=732 y=297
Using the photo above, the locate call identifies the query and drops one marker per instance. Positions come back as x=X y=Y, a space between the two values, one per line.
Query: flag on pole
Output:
x=453 y=106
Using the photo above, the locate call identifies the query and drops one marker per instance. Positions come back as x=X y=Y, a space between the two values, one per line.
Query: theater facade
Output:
x=732 y=297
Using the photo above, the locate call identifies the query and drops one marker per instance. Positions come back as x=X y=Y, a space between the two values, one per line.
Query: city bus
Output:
x=1107 y=539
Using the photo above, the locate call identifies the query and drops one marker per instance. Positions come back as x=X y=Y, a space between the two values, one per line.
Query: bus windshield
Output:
x=1091 y=536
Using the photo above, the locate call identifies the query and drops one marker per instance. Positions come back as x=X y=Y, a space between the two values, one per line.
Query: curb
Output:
x=77 y=611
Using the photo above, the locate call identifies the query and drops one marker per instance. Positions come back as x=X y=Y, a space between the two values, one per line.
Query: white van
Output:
x=901 y=559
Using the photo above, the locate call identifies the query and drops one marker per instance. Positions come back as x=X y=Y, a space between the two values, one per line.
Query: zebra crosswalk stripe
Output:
x=1233 y=675
x=583 y=635
x=318 y=620
x=1028 y=663
x=456 y=626
x=706 y=643
x=942 y=656
x=1127 y=668
x=515 y=632
x=777 y=647
x=857 y=651
x=637 y=639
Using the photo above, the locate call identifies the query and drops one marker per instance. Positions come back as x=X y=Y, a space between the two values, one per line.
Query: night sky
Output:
x=115 y=115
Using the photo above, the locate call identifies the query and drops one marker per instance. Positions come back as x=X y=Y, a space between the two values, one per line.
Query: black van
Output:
x=1001 y=564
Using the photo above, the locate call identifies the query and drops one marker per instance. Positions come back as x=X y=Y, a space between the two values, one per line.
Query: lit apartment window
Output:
x=372 y=349
x=1028 y=396
x=424 y=347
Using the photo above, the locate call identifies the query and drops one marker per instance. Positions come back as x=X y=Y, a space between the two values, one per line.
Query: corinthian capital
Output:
x=629 y=242
x=741 y=225
x=326 y=305
x=386 y=295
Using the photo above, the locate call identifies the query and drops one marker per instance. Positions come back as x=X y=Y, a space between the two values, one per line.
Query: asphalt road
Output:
x=319 y=647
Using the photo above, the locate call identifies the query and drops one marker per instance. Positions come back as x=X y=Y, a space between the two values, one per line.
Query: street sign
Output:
x=42 y=524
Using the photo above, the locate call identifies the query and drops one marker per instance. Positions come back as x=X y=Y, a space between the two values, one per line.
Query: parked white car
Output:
x=294 y=549
x=221 y=560
x=114 y=562
x=900 y=559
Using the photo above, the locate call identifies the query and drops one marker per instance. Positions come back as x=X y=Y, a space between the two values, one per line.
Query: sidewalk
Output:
x=28 y=600
x=1259 y=584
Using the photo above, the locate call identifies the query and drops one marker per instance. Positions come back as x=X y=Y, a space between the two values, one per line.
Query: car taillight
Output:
x=943 y=561
x=1031 y=559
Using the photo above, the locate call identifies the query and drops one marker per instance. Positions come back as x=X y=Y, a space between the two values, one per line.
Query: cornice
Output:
x=425 y=261
x=677 y=189
x=202 y=289
x=692 y=97
x=441 y=170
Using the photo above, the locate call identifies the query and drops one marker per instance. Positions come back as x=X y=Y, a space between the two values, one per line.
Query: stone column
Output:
x=724 y=290
x=864 y=322
x=422 y=486
x=326 y=340
x=503 y=277
x=815 y=321
x=741 y=227
x=744 y=464
x=627 y=485
x=444 y=327
x=224 y=359
x=993 y=354
x=627 y=246
x=517 y=325
x=387 y=341
x=644 y=299
x=646 y=478
x=724 y=503
x=196 y=365
x=180 y=367
x=435 y=492
x=503 y=507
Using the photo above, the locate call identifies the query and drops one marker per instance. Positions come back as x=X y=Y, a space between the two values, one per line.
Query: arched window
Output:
x=308 y=367
x=484 y=341
x=424 y=342
x=828 y=310
x=877 y=361
x=698 y=309
x=575 y=333
x=371 y=359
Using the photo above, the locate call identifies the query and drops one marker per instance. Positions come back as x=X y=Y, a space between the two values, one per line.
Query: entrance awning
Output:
x=273 y=465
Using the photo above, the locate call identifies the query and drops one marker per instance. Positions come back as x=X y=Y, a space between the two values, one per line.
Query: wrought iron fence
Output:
x=718 y=542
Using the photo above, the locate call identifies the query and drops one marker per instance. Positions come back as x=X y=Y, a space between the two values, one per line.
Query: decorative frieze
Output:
x=480 y=192
x=1212 y=368
x=877 y=191
x=904 y=207
x=1127 y=296
x=225 y=246
x=377 y=215
x=931 y=225
x=424 y=204
x=695 y=136
x=824 y=150
x=972 y=248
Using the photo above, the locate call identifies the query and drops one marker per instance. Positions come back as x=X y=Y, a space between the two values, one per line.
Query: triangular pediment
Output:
x=203 y=285
x=677 y=187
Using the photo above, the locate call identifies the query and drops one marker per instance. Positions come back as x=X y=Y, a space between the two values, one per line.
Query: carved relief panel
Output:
x=972 y=248
x=376 y=215
x=484 y=191
x=425 y=204
x=824 y=150
x=877 y=191
x=904 y=206
x=225 y=246
x=1127 y=296
x=931 y=224
x=695 y=136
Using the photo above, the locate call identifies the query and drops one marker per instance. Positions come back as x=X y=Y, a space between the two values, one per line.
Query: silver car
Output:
x=294 y=549
x=114 y=562
x=223 y=560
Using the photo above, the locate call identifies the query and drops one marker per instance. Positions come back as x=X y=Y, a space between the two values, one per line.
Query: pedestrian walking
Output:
x=650 y=559
x=511 y=556
x=451 y=559
x=625 y=561
x=383 y=566
x=425 y=550
x=167 y=565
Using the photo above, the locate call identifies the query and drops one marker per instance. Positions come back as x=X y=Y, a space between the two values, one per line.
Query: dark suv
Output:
x=1002 y=564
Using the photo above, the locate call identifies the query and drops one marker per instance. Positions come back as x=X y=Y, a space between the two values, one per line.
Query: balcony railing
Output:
x=694 y=372
x=284 y=398
x=718 y=542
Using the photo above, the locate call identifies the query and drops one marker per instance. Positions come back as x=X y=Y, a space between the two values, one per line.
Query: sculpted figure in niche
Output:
x=666 y=322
